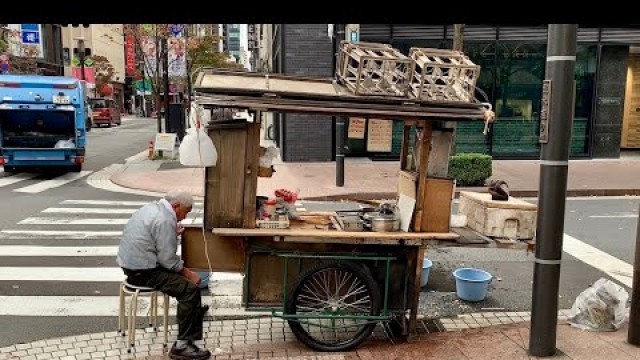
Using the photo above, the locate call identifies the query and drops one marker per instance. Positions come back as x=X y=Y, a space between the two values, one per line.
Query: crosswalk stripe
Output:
x=49 y=184
x=88 y=210
x=16 y=178
x=58 y=274
x=25 y=251
x=104 y=202
x=73 y=305
x=71 y=221
x=115 y=203
x=70 y=234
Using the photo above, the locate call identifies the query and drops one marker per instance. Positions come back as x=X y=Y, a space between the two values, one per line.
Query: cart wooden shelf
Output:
x=333 y=287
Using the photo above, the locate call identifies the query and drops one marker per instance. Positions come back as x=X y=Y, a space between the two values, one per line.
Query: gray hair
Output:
x=181 y=197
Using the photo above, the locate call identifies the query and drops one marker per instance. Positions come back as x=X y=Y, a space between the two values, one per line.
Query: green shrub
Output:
x=470 y=169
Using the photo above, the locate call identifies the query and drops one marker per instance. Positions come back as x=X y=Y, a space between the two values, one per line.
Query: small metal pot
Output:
x=381 y=223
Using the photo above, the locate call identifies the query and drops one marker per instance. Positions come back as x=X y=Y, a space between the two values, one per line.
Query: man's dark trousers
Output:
x=187 y=293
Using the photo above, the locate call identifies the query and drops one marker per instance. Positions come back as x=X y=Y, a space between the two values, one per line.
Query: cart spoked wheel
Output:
x=337 y=291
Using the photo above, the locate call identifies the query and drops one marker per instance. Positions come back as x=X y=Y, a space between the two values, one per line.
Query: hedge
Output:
x=470 y=169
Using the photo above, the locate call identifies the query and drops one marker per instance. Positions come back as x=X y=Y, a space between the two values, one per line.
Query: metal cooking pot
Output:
x=385 y=220
x=385 y=223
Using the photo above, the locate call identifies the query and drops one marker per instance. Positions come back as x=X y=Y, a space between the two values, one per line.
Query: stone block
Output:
x=512 y=219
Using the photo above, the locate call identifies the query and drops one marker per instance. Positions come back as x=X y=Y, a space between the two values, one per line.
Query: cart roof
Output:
x=282 y=93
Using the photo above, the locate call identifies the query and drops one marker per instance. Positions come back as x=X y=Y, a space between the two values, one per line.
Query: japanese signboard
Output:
x=356 y=128
x=380 y=136
x=130 y=55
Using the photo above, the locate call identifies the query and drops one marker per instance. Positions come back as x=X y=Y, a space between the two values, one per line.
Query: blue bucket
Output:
x=472 y=284
x=426 y=268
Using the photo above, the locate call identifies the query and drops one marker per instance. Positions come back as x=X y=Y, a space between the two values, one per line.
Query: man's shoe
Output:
x=189 y=352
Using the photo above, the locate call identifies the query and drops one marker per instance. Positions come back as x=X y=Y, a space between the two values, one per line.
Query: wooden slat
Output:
x=423 y=165
x=224 y=194
x=414 y=299
x=251 y=170
x=404 y=150
x=631 y=118
x=313 y=233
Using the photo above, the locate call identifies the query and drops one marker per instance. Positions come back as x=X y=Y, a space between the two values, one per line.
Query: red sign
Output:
x=130 y=53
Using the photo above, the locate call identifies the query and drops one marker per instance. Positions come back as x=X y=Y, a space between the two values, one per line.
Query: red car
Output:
x=105 y=112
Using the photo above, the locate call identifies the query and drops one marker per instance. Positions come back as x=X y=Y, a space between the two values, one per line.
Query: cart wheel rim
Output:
x=337 y=293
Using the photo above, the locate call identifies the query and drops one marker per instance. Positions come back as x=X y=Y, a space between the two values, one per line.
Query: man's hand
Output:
x=179 y=229
x=190 y=275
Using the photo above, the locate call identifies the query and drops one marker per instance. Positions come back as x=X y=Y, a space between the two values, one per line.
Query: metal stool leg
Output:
x=154 y=309
x=165 y=314
x=132 y=320
x=121 y=310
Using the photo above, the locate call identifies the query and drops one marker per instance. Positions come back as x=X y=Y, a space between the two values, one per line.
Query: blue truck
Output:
x=42 y=123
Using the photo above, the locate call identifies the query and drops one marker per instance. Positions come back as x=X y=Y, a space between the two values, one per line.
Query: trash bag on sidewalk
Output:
x=601 y=307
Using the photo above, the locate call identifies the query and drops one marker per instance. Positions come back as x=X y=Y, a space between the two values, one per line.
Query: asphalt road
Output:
x=607 y=224
x=105 y=146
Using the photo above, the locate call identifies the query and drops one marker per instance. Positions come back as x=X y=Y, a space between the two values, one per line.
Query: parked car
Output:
x=105 y=112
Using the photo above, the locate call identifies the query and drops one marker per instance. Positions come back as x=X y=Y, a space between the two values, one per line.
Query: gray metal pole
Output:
x=340 y=121
x=556 y=120
x=340 y=151
x=633 y=336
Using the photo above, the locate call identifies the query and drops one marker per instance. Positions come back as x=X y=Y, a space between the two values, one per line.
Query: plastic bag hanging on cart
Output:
x=197 y=148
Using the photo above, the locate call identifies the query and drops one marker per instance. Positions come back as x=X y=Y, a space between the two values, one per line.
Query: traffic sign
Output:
x=176 y=29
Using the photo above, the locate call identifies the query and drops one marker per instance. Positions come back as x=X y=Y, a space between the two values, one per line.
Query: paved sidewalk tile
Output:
x=271 y=338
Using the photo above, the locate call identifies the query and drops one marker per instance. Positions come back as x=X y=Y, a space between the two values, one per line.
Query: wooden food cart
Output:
x=332 y=286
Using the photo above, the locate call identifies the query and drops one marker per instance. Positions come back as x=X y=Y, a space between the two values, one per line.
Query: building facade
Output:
x=236 y=43
x=512 y=60
x=99 y=39
x=46 y=38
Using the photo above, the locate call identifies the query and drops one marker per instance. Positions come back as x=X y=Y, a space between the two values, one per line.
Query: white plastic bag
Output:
x=267 y=156
x=197 y=149
x=64 y=144
x=601 y=307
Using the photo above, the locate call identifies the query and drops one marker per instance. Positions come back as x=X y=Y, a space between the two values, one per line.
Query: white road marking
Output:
x=74 y=305
x=16 y=178
x=11 y=250
x=89 y=210
x=58 y=274
x=67 y=234
x=629 y=216
x=104 y=202
x=599 y=259
x=71 y=221
x=53 y=183
x=196 y=205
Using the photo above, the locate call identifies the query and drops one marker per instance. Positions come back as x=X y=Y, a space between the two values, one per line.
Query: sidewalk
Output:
x=479 y=336
x=366 y=179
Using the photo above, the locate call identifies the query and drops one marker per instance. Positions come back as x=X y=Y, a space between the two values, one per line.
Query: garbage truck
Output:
x=42 y=123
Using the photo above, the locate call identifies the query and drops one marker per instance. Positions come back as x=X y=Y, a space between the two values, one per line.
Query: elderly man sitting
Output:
x=147 y=255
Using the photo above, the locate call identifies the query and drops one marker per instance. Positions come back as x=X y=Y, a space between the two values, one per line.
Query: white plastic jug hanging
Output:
x=197 y=149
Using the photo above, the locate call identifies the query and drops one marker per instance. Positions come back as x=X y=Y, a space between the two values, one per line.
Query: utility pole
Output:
x=165 y=80
x=556 y=120
x=633 y=336
x=339 y=120
x=157 y=76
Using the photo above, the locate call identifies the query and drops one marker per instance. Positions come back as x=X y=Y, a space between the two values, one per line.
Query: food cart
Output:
x=333 y=286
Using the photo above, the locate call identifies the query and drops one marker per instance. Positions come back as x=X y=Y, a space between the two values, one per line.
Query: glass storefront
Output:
x=511 y=75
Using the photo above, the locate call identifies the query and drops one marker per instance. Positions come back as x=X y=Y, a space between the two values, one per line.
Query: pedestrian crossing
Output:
x=67 y=249
x=38 y=182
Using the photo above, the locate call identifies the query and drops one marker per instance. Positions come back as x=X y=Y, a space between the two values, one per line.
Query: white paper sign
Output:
x=165 y=141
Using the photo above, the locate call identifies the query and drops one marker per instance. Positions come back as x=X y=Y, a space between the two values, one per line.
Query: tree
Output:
x=203 y=52
x=104 y=70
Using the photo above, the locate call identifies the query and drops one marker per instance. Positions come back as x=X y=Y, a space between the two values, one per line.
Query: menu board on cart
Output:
x=356 y=128
x=380 y=135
